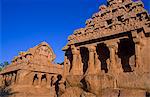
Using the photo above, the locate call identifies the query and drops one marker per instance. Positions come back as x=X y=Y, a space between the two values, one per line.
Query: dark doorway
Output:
x=126 y=50
x=104 y=54
x=147 y=94
x=85 y=57
x=69 y=57
x=35 y=79
x=44 y=79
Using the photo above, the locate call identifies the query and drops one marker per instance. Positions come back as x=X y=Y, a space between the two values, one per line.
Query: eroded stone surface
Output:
x=109 y=57
x=114 y=48
x=32 y=73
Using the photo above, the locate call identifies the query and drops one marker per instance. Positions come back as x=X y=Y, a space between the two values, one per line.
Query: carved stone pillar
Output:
x=137 y=53
x=4 y=79
x=97 y=63
x=91 y=63
x=113 y=68
x=76 y=62
x=39 y=80
x=13 y=78
x=138 y=45
x=113 y=47
x=80 y=64
x=66 y=67
x=48 y=80
x=1 y=80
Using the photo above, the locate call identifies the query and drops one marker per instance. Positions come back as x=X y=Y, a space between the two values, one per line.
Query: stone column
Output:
x=112 y=48
x=97 y=63
x=91 y=63
x=39 y=80
x=48 y=80
x=114 y=69
x=13 y=78
x=66 y=67
x=1 y=80
x=76 y=62
x=4 y=79
x=137 y=53
x=112 y=66
x=138 y=45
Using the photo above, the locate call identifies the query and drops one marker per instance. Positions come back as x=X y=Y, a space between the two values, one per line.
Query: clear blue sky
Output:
x=26 y=23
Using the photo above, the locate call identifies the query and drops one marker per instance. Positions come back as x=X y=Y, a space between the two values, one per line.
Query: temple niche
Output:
x=110 y=56
x=31 y=74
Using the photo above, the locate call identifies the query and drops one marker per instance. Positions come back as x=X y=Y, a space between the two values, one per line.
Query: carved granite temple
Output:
x=110 y=57
x=32 y=73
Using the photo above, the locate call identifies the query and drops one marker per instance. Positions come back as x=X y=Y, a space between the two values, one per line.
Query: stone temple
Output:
x=32 y=73
x=108 y=58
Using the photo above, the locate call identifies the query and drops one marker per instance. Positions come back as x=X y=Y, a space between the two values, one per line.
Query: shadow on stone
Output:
x=5 y=92
x=147 y=94
x=59 y=77
x=84 y=85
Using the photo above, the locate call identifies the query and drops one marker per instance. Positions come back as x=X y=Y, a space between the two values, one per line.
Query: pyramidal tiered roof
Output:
x=116 y=17
x=38 y=58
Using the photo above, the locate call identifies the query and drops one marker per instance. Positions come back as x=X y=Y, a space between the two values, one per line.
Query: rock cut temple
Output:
x=109 y=57
x=31 y=73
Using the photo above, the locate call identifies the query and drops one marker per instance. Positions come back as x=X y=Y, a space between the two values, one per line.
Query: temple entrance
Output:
x=103 y=56
x=126 y=51
x=85 y=58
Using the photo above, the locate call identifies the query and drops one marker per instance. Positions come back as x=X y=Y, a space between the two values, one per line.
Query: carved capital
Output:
x=112 y=45
x=136 y=40
x=75 y=50
x=92 y=48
